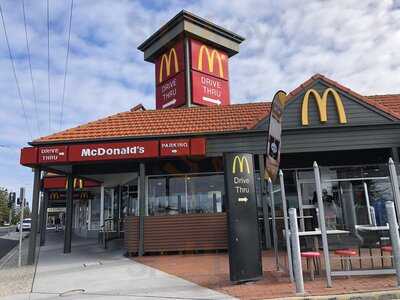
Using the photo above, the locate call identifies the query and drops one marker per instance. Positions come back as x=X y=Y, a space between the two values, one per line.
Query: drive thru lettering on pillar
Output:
x=170 y=79
x=243 y=232
x=274 y=136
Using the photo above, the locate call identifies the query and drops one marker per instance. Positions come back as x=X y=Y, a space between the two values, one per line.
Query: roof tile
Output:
x=195 y=120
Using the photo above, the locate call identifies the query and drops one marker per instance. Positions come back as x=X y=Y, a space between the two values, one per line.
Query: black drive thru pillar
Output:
x=68 y=215
x=244 y=244
x=34 y=216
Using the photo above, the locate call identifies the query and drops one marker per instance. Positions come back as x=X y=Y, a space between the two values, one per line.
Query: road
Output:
x=6 y=245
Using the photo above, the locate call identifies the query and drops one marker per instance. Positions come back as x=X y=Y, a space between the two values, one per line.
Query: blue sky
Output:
x=354 y=42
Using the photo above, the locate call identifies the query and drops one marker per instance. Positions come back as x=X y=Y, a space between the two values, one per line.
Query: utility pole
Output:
x=21 y=219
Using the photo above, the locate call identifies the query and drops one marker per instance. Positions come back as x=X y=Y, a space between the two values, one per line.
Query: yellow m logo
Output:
x=322 y=103
x=167 y=61
x=242 y=164
x=54 y=196
x=210 y=57
x=79 y=181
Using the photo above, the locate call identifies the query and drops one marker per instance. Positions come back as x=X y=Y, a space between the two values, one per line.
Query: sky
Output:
x=287 y=41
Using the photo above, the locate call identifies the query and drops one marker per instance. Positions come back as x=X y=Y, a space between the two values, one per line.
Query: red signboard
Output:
x=60 y=182
x=198 y=146
x=171 y=93
x=53 y=154
x=113 y=151
x=209 y=60
x=170 y=63
x=175 y=147
x=28 y=156
x=209 y=90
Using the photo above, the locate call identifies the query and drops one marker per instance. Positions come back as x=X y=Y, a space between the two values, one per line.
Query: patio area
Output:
x=212 y=271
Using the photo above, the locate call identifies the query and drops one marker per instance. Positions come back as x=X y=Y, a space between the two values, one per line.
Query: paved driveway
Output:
x=90 y=272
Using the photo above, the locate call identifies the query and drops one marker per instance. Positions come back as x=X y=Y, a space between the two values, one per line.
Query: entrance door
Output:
x=307 y=199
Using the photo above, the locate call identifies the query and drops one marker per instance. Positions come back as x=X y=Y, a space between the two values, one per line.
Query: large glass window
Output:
x=189 y=194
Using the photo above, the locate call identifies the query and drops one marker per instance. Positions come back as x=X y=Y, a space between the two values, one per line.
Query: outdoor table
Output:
x=316 y=233
x=371 y=227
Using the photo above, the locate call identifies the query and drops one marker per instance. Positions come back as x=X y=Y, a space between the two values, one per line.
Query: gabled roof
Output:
x=390 y=102
x=139 y=123
x=390 y=107
x=167 y=122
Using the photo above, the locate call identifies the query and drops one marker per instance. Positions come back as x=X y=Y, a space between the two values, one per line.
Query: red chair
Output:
x=388 y=249
x=314 y=257
x=346 y=254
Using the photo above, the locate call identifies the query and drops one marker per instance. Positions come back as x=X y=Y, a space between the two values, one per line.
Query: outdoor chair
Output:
x=314 y=257
x=345 y=255
x=369 y=240
x=389 y=250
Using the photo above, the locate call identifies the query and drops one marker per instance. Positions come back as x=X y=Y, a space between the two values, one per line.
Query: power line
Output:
x=66 y=64
x=15 y=74
x=30 y=67
x=48 y=61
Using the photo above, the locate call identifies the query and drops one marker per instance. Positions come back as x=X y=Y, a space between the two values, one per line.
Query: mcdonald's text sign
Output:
x=170 y=79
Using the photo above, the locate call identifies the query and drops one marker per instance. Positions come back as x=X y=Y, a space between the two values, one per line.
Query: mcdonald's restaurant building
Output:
x=156 y=177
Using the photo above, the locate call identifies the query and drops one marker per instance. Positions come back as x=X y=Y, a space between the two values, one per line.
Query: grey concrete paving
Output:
x=14 y=280
x=90 y=272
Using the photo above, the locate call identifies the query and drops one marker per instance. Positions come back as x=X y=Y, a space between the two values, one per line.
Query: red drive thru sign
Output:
x=209 y=75
x=53 y=154
x=179 y=147
x=113 y=151
x=170 y=78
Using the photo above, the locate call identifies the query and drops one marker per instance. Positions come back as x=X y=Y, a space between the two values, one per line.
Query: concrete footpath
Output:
x=90 y=272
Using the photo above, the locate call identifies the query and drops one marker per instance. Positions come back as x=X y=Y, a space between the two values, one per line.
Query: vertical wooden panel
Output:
x=131 y=235
x=185 y=232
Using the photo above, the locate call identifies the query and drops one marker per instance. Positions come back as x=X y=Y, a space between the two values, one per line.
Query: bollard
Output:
x=322 y=227
x=394 y=237
x=286 y=225
x=296 y=256
x=395 y=186
x=274 y=233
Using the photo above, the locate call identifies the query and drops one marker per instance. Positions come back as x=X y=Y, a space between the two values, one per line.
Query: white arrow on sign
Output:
x=61 y=153
x=215 y=101
x=172 y=102
x=243 y=199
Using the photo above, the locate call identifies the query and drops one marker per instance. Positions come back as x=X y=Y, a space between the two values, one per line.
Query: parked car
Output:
x=26 y=225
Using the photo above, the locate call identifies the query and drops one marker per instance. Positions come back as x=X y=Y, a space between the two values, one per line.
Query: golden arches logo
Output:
x=322 y=106
x=243 y=163
x=76 y=181
x=210 y=58
x=167 y=59
x=84 y=195
x=54 y=196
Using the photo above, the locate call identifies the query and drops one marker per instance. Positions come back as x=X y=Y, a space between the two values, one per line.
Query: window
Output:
x=188 y=194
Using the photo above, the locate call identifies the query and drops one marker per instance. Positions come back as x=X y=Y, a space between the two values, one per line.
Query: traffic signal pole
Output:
x=21 y=219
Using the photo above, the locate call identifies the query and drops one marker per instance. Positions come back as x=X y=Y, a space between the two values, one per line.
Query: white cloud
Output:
x=353 y=42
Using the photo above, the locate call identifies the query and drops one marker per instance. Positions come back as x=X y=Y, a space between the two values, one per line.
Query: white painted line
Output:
x=173 y=101
x=215 y=101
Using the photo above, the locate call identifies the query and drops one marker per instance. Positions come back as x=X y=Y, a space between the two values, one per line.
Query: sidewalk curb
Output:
x=377 y=295
x=11 y=253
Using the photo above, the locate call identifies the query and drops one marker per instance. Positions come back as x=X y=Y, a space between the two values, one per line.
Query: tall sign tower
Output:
x=191 y=58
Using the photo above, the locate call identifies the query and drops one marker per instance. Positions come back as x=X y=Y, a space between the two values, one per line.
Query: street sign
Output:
x=244 y=245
